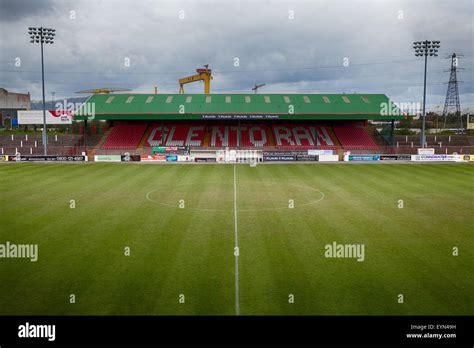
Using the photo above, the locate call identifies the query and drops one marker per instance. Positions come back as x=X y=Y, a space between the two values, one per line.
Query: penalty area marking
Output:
x=175 y=206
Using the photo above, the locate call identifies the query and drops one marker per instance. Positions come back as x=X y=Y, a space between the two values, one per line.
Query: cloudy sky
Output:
x=331 y=46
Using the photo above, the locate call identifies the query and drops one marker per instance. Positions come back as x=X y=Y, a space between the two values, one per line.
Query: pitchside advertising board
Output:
x=328 y=158
x=130 y=158
x=302 y=156
x=143 y=158
x=279 y=158
x=439 y=158
x=36 y=117
x=153 y=158
x=469 y=158
x=320 y=152
x=395 y=157
x=371 y=158
x=108 y=158
x=414 y=158
x=282 y=156
x=205 y=159
x=20 y=158
x=364 y=158
x=307 y=158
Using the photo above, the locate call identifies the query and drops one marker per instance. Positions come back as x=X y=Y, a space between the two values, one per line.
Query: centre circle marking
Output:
x=319 y=199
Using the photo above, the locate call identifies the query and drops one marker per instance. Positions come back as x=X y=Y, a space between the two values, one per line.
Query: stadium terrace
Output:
x=141 y=122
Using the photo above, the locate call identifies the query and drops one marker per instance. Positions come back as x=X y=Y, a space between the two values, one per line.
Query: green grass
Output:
x=190 y=251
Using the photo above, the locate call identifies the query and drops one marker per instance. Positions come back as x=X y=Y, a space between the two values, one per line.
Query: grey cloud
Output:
x=304 y=54
x=14 y=10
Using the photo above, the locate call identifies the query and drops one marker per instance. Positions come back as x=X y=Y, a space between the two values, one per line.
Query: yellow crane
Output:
x=104 y=90
x=203 y=74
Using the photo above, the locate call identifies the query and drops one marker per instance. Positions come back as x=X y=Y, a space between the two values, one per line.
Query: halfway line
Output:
x=236 y=249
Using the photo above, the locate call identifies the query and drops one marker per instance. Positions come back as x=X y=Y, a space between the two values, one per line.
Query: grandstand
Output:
x=245 y=121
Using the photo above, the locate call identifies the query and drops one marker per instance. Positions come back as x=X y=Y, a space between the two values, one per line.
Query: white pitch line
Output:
x=236 y=237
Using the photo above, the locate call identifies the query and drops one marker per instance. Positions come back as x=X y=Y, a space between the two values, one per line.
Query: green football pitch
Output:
x=145 y=239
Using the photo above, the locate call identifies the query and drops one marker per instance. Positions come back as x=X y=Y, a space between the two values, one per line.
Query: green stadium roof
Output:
x=235 y=106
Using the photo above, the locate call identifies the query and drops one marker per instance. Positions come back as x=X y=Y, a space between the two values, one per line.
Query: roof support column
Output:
x=391 y=132
x=238 y=135
x=85 y=135
x=162 y=135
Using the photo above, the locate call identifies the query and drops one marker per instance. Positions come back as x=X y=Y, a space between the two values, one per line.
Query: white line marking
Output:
x=236 y=236
x=175 y=206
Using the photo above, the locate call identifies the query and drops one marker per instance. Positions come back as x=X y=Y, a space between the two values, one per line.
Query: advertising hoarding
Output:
x=306 y=158
x=153 y=158
x=130 y=158
x=52 y=117
x=395 y=157
x=205 y=159
x=279 y=158
x=107 y=158
x=468 y=158
x=320 y=152
x=328 y=158
x=435 y=158
x=47 y=158
x=362 y=157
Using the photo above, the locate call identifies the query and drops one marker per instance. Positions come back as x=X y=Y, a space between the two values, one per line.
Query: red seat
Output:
x=124 y=135
x=354 y=138
x=301 y=136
